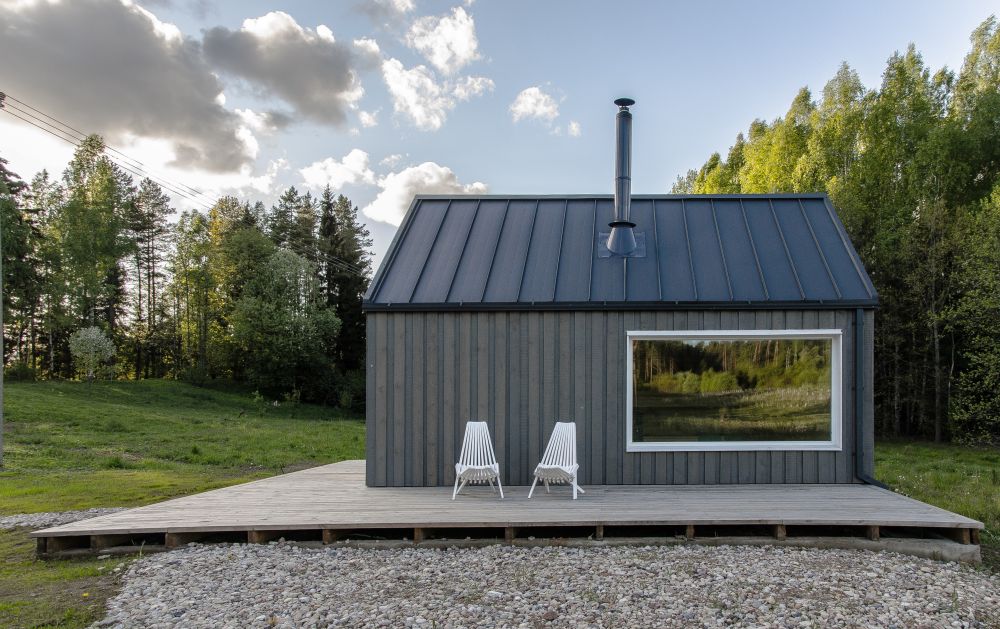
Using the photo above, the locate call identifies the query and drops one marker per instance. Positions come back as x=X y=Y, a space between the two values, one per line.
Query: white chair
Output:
x=559 y=461
x=477 y=464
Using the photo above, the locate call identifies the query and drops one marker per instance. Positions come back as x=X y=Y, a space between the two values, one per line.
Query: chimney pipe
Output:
x=621 y=240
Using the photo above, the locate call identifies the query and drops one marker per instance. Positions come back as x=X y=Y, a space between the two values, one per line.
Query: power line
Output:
x=132 y=160
x=66 y=136
x=59 y=133
x=75 y=142
x=75 y=137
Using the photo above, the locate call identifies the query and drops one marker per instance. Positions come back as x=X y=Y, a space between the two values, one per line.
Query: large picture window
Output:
x=745 y=390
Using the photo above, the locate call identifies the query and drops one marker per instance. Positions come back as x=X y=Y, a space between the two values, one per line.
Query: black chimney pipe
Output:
x=621 y=240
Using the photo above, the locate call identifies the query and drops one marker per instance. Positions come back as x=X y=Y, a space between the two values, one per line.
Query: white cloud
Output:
x=416 y=95
x=573 y=129
x=534 y=103
x=399 y=188
x=389 y=161
x=150 y=80
x=324 y=32
x=276 y=56
x=419 y=97
x=272 y=25
x=265 y=183
x=260 y=122
x=368 y=118
x=448 y=42
x=471 y=86
x=402 y=6
x=368 y=46
x=159 y=158
x=352 y=169
x=169 y=32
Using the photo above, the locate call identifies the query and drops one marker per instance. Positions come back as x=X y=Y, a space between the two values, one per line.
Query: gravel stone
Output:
x=285 y=585
x=53 y=518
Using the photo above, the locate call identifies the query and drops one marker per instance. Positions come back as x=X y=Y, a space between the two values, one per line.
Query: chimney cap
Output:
x=624 y=102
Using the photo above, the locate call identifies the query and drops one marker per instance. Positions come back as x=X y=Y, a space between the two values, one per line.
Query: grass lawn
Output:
x=73 y=446
x=962 y=480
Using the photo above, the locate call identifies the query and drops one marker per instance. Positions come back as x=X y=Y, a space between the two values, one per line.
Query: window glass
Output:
x=731 y=390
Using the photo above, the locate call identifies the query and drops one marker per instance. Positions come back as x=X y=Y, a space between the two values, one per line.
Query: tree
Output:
x=281 y=220
x=147 y=224
x=91 y=348
x=90 y=228
x=284 y=332
x=910 y=165
x=346 y=269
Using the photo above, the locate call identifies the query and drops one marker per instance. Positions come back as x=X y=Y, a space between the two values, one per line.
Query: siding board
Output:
x=429 y=373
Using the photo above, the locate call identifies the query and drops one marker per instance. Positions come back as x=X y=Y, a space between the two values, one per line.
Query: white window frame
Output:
x=836 y=390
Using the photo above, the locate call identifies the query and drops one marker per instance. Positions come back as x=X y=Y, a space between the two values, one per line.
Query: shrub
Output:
x=91 y=348
x=20 y=372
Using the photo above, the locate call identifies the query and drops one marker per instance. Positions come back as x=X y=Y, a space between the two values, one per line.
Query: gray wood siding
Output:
x=428 y=373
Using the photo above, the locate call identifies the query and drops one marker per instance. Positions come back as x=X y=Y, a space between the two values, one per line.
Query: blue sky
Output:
x=699 y=73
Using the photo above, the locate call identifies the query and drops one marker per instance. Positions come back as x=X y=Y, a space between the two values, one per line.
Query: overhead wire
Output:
x=67 y=136
x=76 y=137
x=132 y=160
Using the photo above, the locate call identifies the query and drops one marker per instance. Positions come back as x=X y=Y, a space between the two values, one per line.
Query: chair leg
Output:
x=500 y=487
x=492 y=486
x=547 y=486
x=532 y=490
x=455 y=493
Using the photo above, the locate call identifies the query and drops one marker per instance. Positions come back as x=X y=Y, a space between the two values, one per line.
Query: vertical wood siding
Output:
x=429 y=373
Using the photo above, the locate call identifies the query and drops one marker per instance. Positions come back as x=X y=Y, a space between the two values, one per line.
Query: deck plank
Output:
x=335 y=496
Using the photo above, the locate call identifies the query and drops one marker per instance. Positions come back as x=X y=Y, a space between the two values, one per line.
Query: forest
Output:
x=913 y=167
x=98 y=281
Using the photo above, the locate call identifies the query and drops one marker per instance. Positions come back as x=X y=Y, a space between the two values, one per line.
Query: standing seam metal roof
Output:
x=541 y=252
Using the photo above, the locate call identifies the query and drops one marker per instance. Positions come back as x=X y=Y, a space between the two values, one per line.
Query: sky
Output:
x=386 y=99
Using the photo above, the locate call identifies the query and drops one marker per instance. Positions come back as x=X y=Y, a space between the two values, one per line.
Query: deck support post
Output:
x=419 y=535
x=331 y=535
x=258 y=537
x=974 y=534
x=872 y=533
x=508 y=535
x=176 y=540
x=963 y=536
x=689 y=531
x=41 y=546
x=780 y=533
x=599 y=532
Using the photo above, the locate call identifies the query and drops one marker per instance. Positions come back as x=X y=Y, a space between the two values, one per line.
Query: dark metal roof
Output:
x=541 y=252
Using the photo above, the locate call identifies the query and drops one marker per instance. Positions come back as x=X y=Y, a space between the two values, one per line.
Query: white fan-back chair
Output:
x=477 y=464
x=559 y=461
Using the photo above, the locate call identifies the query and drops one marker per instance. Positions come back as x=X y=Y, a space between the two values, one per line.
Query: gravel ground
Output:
x=55 y=518
x=499 y=586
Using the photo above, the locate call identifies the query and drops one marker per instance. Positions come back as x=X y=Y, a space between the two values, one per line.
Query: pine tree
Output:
x=149 y=229
x=302 y=239
x=281 y=219
x=347 y=271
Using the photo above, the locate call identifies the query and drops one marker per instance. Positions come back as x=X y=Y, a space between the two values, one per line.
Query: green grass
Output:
x=959 y=479
x=74 y=445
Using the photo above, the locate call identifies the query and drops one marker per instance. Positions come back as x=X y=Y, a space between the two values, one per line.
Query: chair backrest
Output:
x=477 y=448
x=562 y=445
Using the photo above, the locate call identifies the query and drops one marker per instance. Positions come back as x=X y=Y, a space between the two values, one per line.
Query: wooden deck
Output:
x=331 y=503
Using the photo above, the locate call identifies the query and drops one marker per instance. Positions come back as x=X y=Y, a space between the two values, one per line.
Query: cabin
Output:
x=693 y=339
